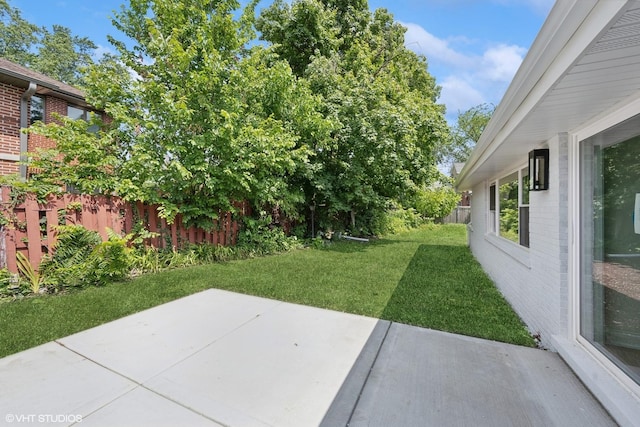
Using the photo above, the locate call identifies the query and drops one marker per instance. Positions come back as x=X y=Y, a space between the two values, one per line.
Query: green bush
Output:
x=259 y=237
x=436 y=203
x=69 y=266
x=397 y=220
x=9 y=285
x=208 y=253
x=108 y=262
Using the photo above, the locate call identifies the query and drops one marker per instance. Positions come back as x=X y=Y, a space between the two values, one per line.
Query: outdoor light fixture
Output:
x=539 y=170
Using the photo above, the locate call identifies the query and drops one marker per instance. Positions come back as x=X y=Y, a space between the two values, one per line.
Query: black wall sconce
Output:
x=539 y=170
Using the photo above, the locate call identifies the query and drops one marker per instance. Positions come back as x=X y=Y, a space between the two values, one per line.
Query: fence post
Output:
x=34 y=241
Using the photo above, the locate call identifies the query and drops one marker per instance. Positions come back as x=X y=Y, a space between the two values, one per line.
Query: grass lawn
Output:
x=424 y=277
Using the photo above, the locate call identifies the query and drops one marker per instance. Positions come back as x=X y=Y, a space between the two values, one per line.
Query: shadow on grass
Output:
x=445 y=288
x=349 y=247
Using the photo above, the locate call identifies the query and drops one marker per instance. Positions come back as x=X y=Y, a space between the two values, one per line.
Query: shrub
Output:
x=259 y=237
x=68 y=266
x=436 y=203
x=9 y=286
x=109 y=261
x=397 y=220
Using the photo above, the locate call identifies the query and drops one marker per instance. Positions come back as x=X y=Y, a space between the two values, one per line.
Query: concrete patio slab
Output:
x=48 y=381
x=144 y=408
x=426 y=377
x=222 y=359
x=282 y=369
x=156 y=339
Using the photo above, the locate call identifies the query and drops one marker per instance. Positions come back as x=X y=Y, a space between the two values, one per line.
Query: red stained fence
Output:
x=31 y=226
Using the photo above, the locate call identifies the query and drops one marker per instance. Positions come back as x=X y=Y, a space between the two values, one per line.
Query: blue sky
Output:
x=473 y=47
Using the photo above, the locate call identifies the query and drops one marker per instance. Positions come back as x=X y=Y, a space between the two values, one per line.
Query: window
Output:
x=610 y=244
x=492 y=208
x=76 y=113
x=509 y=207
x=36 y=110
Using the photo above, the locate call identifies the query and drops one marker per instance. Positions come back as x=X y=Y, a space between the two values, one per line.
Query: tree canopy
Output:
x=331 y=113
x=57 y=52
x=465 y=134
x=378 y=96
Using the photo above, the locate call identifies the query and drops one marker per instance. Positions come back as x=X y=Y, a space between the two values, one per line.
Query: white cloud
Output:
x=101 y=51
x=421 y=41
x=466 y=79
x=501 y=62
x=458 y=94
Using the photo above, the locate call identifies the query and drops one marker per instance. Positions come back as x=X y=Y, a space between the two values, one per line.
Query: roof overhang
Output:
x=584 y=62
x=46 y=86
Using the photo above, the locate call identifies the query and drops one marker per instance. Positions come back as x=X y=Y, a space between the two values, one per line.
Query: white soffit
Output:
x=597 y=68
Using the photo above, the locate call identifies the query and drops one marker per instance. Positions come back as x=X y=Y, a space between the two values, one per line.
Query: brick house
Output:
x=25 y=97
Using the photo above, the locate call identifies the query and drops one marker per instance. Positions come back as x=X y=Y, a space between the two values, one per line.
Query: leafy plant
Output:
x=74 y=206
x=436 y=202
x=397 y=220
x=109 y=261
x=260 y=237
x=30 y=274
x=68 y=266
x=9 y=285
x=139 y=234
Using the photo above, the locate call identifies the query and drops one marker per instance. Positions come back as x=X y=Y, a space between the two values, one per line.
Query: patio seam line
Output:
x=193 y=353
x=137 y=385
x=140 y=384
x=366 y=380
x=243 y=324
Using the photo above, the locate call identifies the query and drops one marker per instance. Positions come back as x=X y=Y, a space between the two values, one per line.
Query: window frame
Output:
x=43 y=109
x=85 y=113
x=494 y=205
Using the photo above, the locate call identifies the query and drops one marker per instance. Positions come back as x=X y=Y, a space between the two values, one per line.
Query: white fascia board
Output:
x=571 y=28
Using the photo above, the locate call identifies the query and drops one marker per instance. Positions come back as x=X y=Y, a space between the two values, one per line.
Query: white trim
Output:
x=516 y=251
x=622 y=112
x=10 y=157
x=621 y=402
x=573 y=224
x=610 y=367
x=592 y=366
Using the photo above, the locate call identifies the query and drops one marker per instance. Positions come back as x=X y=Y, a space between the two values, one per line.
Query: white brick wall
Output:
x=533 y=280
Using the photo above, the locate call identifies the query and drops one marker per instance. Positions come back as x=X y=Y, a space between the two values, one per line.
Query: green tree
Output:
x=437 y=201
x=465 y=134
x=378 y=96
x=57 y=53
x=198 y=121
x=63 y=56
x=17 y=36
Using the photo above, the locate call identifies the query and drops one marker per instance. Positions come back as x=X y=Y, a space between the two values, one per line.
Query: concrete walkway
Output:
x=222 y=359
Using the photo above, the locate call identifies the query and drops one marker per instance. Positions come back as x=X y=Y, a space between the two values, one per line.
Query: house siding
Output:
x=10 y=99
x=53 y=106
x=534 y=280
x=9 y=121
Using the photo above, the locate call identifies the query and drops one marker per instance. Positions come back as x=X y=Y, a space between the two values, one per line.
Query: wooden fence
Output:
x=30 y=227
x=460 y=215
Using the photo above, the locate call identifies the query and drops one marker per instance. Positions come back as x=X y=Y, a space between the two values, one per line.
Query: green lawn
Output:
x=425 y=277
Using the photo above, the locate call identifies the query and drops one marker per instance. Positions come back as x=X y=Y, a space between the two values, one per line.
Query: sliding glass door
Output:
x=610 y=244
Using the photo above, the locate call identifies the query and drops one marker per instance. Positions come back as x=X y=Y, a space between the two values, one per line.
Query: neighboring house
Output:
x=465 y=196
x=568 y=258
x=27 y=96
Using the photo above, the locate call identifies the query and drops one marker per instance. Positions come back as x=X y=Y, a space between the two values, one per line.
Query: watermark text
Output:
x=43 y=418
